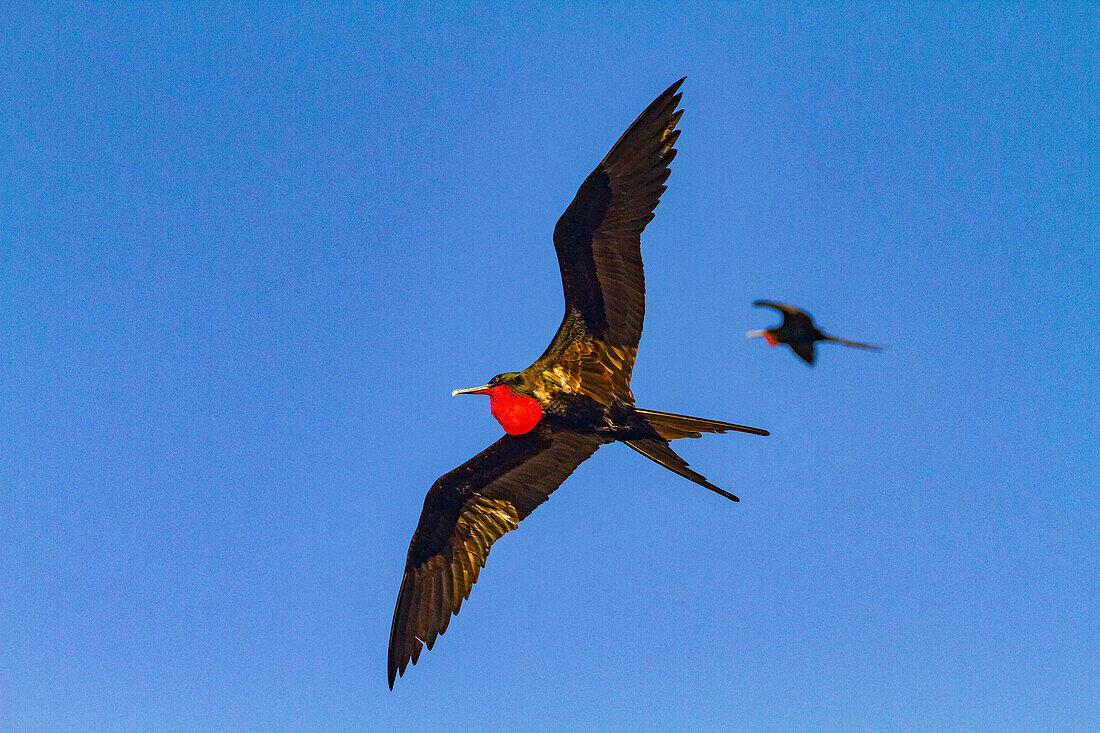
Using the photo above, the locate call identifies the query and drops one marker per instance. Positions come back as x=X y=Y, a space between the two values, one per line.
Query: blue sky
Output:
x=246 y=254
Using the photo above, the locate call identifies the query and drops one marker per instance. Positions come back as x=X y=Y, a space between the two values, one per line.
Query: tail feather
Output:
x=671 y=426
x=853 y=344
x=658 y=451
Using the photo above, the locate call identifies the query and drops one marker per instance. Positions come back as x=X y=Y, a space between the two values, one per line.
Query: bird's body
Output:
x=799 y=331
x=570 y=401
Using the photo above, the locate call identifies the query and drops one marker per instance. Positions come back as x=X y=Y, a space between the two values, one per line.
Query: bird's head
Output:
x=510 y=401
x=766 y=335
x=515 y=381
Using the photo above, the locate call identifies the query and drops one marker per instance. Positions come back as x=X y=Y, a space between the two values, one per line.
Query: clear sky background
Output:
x=246 y=254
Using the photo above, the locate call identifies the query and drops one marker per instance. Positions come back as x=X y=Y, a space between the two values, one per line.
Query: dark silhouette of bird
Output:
x=799 y=332
x=573 y=399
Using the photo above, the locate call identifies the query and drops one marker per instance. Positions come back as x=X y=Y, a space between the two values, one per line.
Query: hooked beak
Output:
x=755 y=334
x=483 y=389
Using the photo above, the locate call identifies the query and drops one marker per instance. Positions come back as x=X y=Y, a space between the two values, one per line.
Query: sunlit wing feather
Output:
x=465 y=512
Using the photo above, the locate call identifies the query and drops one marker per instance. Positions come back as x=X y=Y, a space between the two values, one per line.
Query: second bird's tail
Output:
x=854 y=344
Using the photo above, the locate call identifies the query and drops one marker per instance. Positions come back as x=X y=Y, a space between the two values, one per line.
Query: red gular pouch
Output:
x=770 y=339
x=515 y=413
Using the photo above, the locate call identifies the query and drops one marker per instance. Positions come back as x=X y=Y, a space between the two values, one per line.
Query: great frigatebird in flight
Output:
x=573 y=399
x=799 y=332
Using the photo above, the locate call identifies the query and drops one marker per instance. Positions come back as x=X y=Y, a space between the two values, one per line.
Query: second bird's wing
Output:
x=795 y=317
x=805 y=350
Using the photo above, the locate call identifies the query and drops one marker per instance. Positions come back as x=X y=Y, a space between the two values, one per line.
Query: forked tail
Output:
x=658 y=451
x=669 y=426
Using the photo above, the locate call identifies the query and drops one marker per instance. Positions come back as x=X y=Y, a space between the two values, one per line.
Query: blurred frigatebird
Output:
x=573 y=399
x=799 y=332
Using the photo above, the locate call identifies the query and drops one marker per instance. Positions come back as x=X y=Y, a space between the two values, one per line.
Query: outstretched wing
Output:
x=598 y=244
x=794 y=317
x=805 y=351
x=465 y=512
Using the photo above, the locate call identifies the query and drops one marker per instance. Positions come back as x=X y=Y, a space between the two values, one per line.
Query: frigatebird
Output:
x=573 y=399
x=799 y=331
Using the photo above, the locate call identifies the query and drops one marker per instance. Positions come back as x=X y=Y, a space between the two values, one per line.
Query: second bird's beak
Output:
x=755 y=334
x=483 y=389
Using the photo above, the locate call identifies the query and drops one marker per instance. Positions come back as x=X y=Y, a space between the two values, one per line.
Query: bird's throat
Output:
x=515 y=413
x=770 y=339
